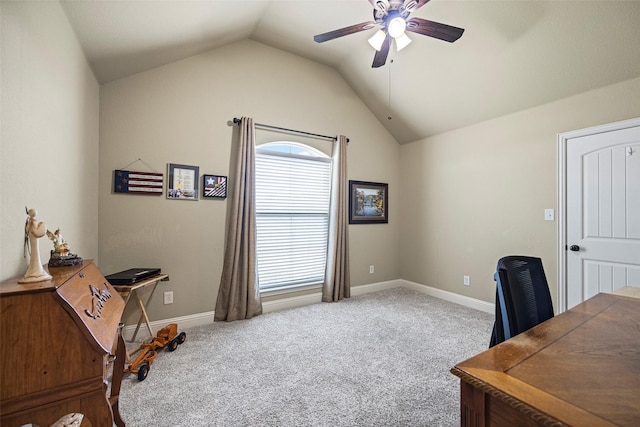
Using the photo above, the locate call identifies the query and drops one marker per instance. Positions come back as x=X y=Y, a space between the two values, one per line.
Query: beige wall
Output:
x=458 y=201
x=479 y=193
x=49 y=140
x=180 y=113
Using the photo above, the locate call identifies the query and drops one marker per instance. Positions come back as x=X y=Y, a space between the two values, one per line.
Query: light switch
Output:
x=549 y=215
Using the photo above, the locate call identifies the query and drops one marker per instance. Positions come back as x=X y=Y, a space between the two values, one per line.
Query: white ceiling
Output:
x=514 y=54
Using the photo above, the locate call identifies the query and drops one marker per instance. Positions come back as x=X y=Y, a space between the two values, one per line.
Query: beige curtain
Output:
x=337 y=282
x=239 y=295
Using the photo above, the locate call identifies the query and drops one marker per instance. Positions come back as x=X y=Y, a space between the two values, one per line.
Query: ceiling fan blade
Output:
x=440 y=31
x=411 y=5
x=381 y=56
x=382 y=5
x=320 y=38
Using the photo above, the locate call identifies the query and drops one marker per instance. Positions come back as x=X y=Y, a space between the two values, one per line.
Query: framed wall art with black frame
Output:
x=183 y=182
x=368 y=202
x=214 y=187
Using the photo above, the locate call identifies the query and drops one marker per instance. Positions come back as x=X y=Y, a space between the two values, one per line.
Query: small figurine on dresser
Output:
x=61 y=255
x=33 y=230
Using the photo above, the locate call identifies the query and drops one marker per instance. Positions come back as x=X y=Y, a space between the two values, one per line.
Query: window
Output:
x=293 y=185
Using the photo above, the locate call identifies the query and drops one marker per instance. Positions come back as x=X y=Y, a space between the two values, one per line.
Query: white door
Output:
x=602 y=223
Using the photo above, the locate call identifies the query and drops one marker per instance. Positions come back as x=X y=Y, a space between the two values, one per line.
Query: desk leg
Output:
x=143 y=312
x=126 y=296
x=472 y=406
x=143 y=316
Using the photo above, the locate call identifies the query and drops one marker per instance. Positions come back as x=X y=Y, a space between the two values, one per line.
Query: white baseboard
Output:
x=299 y=301
x=452 y=297
x=375 y=287
x=183 y=322
x=291 y=302
x=206 y=318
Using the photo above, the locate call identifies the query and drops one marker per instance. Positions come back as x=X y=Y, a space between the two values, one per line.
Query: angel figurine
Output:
x=33 y=230
x=60 y=247
x=61 y=255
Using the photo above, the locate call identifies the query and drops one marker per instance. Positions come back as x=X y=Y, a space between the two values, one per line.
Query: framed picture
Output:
x=214 y=186
x=368 y=202
x=183 y=182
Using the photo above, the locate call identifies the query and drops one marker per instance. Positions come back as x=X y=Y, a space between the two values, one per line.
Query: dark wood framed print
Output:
x=368 y=202
x=214 y=187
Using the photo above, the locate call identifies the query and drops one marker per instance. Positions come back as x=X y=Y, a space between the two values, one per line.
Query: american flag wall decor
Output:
x=146 y=183
x=214 y=186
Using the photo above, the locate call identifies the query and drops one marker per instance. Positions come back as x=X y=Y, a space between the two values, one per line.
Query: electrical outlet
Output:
x=467 y=281
x=372 y=269
x=168 y=297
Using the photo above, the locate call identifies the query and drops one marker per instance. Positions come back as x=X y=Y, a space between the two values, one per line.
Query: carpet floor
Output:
x=378 y=359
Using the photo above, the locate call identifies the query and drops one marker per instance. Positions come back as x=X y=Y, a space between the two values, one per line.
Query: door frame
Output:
x=563 y=138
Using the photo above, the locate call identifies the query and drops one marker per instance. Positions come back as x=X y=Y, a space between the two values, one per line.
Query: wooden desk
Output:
x=59 y=339
x=127 y=291
x=580 y=368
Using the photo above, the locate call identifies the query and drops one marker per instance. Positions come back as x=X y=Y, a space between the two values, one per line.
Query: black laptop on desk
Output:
x=131 y=276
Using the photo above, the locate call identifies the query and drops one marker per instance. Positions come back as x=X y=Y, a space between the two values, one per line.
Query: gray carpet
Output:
x=379 y=359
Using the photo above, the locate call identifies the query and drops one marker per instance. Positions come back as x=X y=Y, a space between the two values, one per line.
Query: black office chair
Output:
x=523 y=299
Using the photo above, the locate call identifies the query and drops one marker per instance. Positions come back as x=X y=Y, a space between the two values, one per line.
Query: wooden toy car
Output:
x=166 y=337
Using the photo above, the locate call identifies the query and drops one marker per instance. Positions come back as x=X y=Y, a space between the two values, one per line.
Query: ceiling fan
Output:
x=393 y=18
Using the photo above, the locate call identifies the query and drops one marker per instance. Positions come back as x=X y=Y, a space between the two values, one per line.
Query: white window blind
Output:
x=292 y=214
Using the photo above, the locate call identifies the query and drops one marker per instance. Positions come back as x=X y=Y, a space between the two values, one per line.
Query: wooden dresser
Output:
x=59 y=340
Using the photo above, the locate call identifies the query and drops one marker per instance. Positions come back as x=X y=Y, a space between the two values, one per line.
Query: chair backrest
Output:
x=523 y=299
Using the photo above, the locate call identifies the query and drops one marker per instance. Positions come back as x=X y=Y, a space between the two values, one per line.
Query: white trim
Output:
x=291 y=302
x=280 y=290
x=562 y=223
x=301 y=300
x=562 y=196
x=375 y=287
x=466 y=301
x=189 y=321
x=206 y=318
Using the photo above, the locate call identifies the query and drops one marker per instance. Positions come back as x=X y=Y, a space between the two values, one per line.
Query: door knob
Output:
x=574 y=248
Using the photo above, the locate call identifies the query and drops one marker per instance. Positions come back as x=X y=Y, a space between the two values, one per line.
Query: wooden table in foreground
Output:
x=580 y=368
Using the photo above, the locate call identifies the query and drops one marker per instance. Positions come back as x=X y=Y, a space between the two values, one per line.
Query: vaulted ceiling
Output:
x=513 y=55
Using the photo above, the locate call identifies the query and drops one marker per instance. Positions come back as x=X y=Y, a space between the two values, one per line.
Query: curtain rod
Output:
x=333 y=138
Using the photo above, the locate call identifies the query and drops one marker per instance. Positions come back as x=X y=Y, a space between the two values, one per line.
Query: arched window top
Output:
x=291 y=148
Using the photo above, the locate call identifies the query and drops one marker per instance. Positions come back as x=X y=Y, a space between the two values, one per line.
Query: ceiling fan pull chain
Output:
x=389 y=116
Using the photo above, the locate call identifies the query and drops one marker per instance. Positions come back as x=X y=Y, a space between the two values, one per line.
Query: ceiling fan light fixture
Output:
x=402 y=41
x=377 y=39
x=396 y=27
